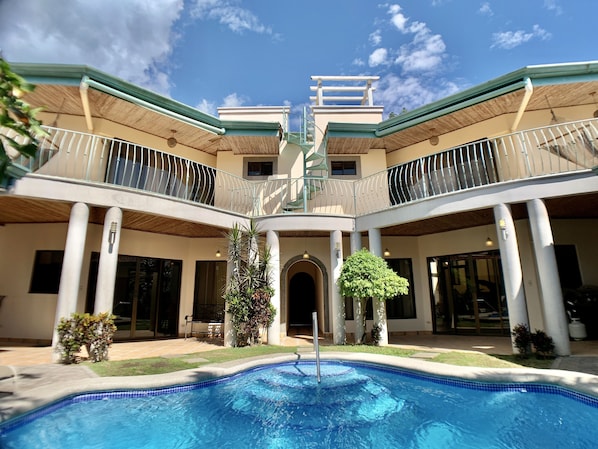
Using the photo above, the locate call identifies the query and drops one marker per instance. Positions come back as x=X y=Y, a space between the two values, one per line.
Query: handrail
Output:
x=549 y=150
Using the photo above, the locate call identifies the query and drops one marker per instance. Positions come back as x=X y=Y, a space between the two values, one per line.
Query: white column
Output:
x=379 y=306
x=555 y=318
x=229 y=332
x=358 y=304
x=511 y=267
x=108 y=261
x=337 y=303
x=70 y=277
x=274 y=269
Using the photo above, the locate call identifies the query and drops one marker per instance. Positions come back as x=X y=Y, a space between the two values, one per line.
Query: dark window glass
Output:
x=46 y=272
x=343 y=168
x=210 y=282
x=260 y=168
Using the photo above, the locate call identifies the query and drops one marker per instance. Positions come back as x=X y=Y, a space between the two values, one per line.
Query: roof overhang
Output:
x=566 y=85
x=84 y=91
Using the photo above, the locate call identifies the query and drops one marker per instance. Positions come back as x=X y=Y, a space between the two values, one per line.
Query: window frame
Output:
x=345 y=159
x=261 y=160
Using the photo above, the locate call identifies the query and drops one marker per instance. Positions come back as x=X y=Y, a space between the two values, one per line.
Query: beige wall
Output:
x=31 y=316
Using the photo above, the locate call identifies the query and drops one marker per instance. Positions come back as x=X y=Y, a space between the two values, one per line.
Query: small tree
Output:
x=365 y=275
x=17 y=118
x=249 y=292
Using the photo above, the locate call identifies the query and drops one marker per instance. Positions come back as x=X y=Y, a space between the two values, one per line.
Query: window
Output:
x=259 y=168
x=344 y=167
x=400 y=307
x=46 y=272
x=210 y=282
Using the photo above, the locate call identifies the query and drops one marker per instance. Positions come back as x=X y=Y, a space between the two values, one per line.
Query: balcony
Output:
x=93 y=159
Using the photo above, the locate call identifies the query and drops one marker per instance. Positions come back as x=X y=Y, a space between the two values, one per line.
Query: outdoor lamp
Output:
x=112 y=233
x=306 y=255
x=489 y=242
x=386 y=252
x=337 y=248
x=218 y=253
x=502 y=224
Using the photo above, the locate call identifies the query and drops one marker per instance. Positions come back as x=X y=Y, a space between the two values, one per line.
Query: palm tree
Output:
x=249 y=291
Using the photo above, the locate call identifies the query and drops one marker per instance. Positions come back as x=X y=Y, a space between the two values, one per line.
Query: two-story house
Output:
x=485 y=200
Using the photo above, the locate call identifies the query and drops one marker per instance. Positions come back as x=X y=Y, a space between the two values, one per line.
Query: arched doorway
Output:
x=304 y=289
x=302 y=300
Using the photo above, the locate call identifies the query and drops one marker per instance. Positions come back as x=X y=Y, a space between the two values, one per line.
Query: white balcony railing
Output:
x=543 y=151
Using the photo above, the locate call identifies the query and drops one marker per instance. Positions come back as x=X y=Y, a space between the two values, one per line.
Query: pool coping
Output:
x=22 y=403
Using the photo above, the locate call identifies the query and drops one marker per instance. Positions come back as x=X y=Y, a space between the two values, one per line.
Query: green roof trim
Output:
x=539 y=74
x=73 y=75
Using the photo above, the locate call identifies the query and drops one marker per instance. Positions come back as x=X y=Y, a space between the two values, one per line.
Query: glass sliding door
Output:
x=146 y=296
x=468 y=294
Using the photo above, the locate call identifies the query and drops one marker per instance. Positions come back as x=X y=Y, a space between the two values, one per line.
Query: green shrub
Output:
x=82 y=329
x=523 y=339
x=543 y=344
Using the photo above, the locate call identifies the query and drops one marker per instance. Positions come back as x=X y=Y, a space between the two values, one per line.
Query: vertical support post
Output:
x=314 y=319
x=358 y=303
x=555 y=316
x=274 y=268
x=108 y=261
x=511 y=266
x=338 y=305
x=378 y=305
x=70 y=277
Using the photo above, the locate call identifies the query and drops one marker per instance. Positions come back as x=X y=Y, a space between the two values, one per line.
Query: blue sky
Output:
x=212 y=53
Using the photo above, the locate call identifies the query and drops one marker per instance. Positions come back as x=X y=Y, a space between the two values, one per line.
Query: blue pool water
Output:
x=283 y=406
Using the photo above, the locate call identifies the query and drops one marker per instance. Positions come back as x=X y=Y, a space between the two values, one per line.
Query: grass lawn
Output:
x=160 y=365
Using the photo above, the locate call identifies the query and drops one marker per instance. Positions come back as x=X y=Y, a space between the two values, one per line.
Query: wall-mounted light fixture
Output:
x=172 y=140
x=386 y=253
x=218 y=254
x=502 y=224
x=306 y=255
x=337 y=249
x=112 y=233
x=489 y=242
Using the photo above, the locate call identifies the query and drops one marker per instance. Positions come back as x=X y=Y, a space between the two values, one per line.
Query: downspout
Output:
x=529 y=90
x=153 y=107
x=83 y=87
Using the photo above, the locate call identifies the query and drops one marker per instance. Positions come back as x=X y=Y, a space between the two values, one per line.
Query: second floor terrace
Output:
x=540 y=152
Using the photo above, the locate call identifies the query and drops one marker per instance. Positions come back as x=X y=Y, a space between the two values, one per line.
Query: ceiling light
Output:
x=386 y=253
x=171 y=140
x=306 y=255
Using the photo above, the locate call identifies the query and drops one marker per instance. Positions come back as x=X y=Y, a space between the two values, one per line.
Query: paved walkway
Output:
x=34 y=368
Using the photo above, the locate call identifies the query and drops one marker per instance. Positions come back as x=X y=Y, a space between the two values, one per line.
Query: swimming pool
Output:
x=357 y=405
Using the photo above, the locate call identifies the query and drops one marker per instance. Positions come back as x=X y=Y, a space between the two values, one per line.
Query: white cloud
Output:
x=208 y=107
x=129 y=39
x=510 y=39
x=228 y=13
x=485 y=9
x=397 y=18
x=234 y=100
x=398 y=93
x=426 y=50
x=358 y=62
x=375 y=38
x=553 y=5
x=377 y=57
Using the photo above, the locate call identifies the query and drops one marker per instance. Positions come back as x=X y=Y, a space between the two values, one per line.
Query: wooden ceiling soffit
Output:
x=454 y=121
x=351 y=145
x=257 y=145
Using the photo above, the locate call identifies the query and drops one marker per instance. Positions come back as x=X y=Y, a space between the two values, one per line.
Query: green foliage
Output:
x=523 y=339
x=82 y=329
x=17 y=117
x=249 y=292
x=543 y=344
x=365 y=275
